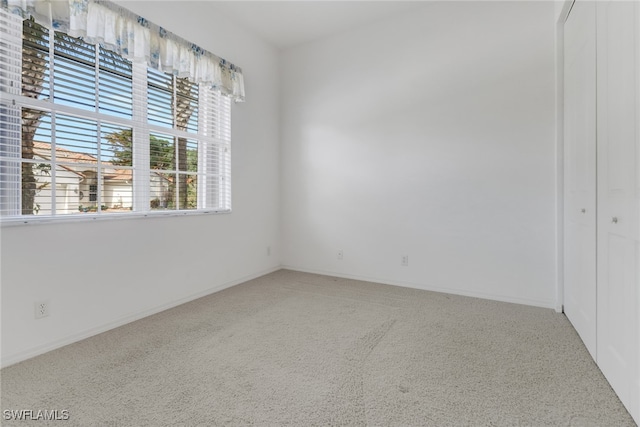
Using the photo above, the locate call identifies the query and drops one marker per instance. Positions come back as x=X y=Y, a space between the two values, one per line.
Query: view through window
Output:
x=100 y=134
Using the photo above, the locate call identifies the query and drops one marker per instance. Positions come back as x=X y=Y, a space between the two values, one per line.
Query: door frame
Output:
x=564 y=14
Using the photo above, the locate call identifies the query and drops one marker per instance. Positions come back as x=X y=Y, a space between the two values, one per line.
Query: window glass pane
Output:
x=36 y=188
x=192 y=155
x=187 y=155
x=213 y=195
x=72 y=188
x=116 y=145
x=36 y=171
x=76 y=139
x=162 y=191
x=35 y=60
x=189 y=196
x=117 y=190
x=74 y=72
x=36 y=134
x=186 y=105
x=74 y=185
x=162 y=152
x=159 y=98
x=115 y=85
x=9 y=187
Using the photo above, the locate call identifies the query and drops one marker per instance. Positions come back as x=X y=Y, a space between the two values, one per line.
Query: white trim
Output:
x=34 y=219
x=564 y=14
x=423 y=287
x=38 y=350
x=635 y=388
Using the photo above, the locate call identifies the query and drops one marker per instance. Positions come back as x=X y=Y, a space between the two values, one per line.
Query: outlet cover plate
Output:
x=41 y=309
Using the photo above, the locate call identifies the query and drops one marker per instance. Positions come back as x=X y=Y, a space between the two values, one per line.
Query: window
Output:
x=93 y=193
x=86 y=131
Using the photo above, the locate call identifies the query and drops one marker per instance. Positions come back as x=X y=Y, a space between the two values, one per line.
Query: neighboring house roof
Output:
x=43 y=150
x=119 y=175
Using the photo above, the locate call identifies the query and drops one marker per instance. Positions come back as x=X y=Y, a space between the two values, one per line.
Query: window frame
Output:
x=207 y=139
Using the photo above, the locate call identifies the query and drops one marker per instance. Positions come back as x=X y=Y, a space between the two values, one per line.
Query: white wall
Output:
x=138 y=266
x=430 y=134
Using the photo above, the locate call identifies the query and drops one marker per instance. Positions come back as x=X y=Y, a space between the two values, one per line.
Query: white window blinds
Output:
x=10 y=113
x=87 y=132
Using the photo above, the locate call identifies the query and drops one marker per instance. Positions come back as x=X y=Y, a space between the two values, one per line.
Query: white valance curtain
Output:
x=117 y=29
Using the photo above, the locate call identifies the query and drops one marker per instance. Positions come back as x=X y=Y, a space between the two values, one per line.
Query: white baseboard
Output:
x=525 y=301
x=38 y=350
x=41 y=349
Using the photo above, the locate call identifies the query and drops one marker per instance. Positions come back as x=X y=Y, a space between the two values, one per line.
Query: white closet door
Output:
x=580 y=171
x=618 y=81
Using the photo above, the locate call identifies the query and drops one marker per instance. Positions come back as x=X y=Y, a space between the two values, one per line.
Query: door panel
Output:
x=580 y=172
x=617 y=83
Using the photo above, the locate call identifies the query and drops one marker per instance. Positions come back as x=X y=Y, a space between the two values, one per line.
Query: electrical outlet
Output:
x=41 y=309
x=340 y=254
x=405 y=261
x=268 y=250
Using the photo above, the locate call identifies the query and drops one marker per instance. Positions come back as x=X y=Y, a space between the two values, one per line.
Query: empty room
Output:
x=384 y=213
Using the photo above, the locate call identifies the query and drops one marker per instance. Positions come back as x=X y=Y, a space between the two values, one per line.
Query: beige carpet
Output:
x=300 y=349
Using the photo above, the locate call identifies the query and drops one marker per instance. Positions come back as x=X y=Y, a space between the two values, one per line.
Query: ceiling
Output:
x=285 y=24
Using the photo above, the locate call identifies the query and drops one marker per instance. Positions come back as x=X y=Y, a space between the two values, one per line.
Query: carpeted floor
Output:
x=299 y=349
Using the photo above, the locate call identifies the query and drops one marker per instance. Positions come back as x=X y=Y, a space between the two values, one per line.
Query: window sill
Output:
x=87 y=217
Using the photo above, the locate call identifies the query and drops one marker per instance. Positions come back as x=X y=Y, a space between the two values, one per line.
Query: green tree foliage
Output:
x=122 y=143
x=184 y=109
x=163 y=158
